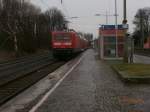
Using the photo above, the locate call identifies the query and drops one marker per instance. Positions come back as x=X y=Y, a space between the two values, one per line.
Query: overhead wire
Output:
x=62 y=3
x=65 y=8
x=108 y=9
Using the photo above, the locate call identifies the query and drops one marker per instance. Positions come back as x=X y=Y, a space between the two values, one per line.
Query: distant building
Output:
x=107 y=41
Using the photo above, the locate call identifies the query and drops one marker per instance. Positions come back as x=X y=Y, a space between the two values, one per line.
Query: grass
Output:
x=134 y=70
x=114 y=62
x=138 y=73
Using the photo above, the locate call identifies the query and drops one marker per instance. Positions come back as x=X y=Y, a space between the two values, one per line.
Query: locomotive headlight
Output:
x=57 y=43
x=68 y=43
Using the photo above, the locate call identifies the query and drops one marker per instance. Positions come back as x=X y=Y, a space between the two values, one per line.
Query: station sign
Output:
x=110 y=27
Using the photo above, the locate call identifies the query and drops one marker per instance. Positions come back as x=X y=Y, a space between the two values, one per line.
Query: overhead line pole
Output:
x=116 y=27
x=126 y=38
x=106 y=17
x=125 y=11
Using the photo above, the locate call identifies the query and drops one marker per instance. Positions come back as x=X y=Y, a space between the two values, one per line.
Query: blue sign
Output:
x=111 y=27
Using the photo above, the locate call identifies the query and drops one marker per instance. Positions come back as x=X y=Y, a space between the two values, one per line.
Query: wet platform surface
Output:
x=141 y=59
x=94 y=87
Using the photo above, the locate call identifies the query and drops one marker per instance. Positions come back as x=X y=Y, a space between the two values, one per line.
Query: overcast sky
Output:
x=86 y=9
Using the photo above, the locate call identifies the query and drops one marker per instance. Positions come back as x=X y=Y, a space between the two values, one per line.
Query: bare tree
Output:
x=26 y=26
x=142 y=23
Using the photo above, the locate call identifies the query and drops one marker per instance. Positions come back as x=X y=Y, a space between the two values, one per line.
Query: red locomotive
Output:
x=67 y=43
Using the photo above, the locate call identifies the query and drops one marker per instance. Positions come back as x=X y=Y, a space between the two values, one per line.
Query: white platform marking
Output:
x=34 y=108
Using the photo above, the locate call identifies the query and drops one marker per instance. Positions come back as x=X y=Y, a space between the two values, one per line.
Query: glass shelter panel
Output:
x=110 y=46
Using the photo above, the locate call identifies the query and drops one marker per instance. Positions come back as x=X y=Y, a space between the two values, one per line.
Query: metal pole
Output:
x=106 y=18
x=126 y=38
x=125 y=11
x=116 y=28
x=132 y=50
x=21 y=3
x=1 y=3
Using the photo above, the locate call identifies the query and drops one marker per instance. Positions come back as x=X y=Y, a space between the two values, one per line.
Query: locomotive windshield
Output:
x=62 y=37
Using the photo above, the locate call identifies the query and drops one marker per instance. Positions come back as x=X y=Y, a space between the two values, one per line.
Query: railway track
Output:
x=18 y=75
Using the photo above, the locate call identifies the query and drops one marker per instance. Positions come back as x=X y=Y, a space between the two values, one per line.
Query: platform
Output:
x=94 y=87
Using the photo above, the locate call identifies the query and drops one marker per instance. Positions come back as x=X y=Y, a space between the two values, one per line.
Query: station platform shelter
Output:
x=111 y=41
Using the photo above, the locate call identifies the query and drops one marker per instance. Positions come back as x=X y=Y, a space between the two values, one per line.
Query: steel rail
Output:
x=11 y=89
x=23 y=59
x=13 y=74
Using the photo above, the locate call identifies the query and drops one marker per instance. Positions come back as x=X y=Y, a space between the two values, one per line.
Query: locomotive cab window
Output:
x=62 y=37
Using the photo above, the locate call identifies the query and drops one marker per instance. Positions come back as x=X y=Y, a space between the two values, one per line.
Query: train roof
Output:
x=68 y=31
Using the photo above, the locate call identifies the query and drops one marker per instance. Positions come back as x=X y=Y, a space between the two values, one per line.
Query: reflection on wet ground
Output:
x=94 y=87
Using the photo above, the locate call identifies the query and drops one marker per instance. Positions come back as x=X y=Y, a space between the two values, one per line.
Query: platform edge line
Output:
x=34 y=108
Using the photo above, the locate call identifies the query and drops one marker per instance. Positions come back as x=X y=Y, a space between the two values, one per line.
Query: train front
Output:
x=62 y=43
